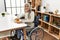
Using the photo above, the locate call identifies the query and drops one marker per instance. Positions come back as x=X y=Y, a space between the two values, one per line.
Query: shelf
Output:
x=43 y=13
x=33 y=8
x=49 y=24
x=48 y=28
x=56 y=15
x=29 y=0
x=55 y=26
x=48 y=14
x=45 y=26
x=52 y=34
x=44 y=22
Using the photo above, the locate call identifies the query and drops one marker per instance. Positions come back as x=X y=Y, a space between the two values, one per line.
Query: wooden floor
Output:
x=48 y=37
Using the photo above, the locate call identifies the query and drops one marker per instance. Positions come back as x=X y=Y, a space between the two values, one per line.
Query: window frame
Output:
x=13 y=7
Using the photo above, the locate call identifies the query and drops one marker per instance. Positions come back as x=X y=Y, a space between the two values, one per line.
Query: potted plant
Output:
x=56 y=11
x=3 y=14
x=44 y=8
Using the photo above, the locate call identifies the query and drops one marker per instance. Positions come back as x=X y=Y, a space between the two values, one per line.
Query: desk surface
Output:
x=6 y=23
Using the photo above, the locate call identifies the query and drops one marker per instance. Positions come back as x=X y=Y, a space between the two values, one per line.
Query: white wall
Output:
x=52 y=5
x=2 y=8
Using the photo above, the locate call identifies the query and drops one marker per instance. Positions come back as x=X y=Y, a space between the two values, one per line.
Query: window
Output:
x=15 y=6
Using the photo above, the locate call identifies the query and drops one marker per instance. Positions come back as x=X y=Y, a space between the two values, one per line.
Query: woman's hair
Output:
x=28 y=6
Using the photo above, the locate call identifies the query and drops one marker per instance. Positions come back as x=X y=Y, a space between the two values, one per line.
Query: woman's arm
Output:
x=31 y=18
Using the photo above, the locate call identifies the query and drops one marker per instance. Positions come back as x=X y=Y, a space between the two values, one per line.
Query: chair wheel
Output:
x=37 y=34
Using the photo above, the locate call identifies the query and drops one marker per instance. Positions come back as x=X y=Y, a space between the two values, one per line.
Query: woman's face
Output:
x=27 y=8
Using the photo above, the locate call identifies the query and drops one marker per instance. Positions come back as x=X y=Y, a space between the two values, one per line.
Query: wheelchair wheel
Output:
x=37 y=34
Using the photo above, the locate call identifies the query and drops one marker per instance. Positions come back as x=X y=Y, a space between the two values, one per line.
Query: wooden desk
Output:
x=4 y=30
x=6 y=26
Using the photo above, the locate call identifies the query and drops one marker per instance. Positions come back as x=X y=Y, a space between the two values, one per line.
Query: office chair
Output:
x=36 y=34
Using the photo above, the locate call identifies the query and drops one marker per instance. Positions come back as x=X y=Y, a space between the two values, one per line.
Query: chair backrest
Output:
x=36 y=20
x=36 y=34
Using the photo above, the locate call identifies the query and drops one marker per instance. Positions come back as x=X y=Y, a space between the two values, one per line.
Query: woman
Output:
x=28 y=19
x=29 y=16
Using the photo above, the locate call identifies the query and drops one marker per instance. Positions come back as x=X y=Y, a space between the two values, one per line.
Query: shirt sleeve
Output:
x=22 y=15
x=31 y=19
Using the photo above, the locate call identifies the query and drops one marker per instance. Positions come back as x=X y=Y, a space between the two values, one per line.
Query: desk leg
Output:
x=59 y=34
x=24 y=30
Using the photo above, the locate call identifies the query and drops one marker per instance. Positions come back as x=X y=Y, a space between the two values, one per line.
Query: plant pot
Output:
x=3 y=14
